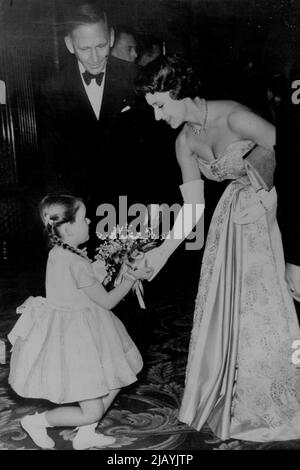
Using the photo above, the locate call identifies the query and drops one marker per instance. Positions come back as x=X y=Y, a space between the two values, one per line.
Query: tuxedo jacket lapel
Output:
x=110 y=99
x=117 y=87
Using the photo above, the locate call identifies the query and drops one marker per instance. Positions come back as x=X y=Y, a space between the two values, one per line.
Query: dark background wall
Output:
x=235 y=45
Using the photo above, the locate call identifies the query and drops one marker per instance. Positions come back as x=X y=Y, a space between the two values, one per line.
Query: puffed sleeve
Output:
x=82 y=273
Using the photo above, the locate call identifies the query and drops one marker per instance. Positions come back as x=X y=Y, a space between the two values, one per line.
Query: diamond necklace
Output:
x=198 y=130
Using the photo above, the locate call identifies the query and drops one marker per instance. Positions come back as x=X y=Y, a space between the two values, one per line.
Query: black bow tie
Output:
x=88 y=77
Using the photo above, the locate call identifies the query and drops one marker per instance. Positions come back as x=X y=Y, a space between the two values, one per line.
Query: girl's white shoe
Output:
x=35 y=425
x=86 y=438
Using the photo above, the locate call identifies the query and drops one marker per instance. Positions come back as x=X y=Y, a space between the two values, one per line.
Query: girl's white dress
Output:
x=65 y=347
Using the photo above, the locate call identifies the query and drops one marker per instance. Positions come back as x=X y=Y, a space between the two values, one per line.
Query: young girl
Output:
x=69 y=347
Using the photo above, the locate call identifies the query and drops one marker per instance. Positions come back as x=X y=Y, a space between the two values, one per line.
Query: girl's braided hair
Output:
x=56 y=210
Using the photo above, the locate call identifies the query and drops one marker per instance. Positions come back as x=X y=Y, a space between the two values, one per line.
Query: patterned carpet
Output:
x=144 y=416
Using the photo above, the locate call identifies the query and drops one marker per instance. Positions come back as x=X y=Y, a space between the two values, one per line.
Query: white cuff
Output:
x=193 y=191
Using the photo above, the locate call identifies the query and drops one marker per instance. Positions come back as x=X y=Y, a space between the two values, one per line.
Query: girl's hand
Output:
x=141 y=273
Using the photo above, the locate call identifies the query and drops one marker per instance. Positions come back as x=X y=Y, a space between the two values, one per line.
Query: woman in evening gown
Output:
x=240 y=377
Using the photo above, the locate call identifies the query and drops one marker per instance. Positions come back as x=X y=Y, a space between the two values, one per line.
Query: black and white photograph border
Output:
x=245 y=51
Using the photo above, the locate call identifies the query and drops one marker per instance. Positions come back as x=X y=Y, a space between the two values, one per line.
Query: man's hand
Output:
x=292 y=276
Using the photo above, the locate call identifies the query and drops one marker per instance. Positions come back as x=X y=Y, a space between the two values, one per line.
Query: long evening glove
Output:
x=188 y=216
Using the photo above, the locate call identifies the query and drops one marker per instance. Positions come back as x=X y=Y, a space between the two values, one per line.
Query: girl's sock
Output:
x=35 y=425
x=42 y=420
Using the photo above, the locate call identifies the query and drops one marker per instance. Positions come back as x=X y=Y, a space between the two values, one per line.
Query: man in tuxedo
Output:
x=287 y=182
x=86 y=114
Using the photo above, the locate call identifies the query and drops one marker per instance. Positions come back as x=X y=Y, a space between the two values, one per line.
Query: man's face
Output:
x=125 y=48
x=91 y=43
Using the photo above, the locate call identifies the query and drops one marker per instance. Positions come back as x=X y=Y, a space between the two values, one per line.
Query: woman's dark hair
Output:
x=169 y=73
x=56 y=210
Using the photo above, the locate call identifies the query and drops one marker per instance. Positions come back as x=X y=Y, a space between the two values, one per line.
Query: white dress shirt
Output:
x=93 y=91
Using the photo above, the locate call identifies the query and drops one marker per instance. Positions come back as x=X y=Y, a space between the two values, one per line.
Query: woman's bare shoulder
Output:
x=242 y=114
x=229 y=106
x=246 y=123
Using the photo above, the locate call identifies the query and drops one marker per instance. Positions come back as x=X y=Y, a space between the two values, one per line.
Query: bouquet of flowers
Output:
x=120 y=250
